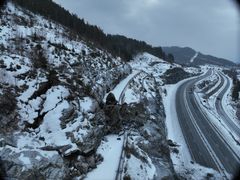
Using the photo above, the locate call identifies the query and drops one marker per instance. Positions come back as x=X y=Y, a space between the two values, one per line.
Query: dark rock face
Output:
x=112 y=113
x=2 y=170
x=8 y=115
x=8 y=102
x=2 y=3
x=55 y=167
x=68 y=115
x=44 y=168
x=147 y=135
x=238 y=111
x=111 y=100
x=91 y=142
x=172 y=76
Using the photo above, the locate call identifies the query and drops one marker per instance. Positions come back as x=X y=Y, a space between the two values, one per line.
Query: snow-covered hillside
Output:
x=52 y=83
x=70 y=110
x=53 y=111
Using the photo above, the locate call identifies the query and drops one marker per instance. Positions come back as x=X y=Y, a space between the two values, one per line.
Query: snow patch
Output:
x=24 y=159
x=86 y=104
x=194 y=57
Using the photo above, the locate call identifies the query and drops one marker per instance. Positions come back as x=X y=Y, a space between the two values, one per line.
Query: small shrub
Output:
x=174 y=75
x=8 y=102
x=2 y=170
x=39 y=59
x=127 y=177
x=111 y=100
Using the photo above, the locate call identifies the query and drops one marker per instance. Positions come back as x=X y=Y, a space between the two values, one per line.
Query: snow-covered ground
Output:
x=150 y=67
x=150 y=64
x=54 y=106
x=110 y=149
x=136 y=167
x=213 y=80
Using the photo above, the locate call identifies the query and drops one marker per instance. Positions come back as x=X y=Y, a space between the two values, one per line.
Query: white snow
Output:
x=134 y=166
x=13 y=61
x=194 y=57
x=122 y=85
x=150 y=64
x=38 y=158
x=24 y=159
x=214 y=78
x=192 y=70
x=173 y=126
x=130 y=96
x=136 y=169
x=111 y=152
x=54 y=96
x=86 y=104
x=32 y=87
x=51 y=129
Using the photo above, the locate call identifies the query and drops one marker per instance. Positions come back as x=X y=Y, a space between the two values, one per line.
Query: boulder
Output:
x=39 y=168
x=111 y=100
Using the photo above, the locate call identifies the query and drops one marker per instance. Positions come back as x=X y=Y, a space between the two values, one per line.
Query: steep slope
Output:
x=181 y=55
x=188 y=56
x=52 y=114
x=114 y=44
x=51 y=88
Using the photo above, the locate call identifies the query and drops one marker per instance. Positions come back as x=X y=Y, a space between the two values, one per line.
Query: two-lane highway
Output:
x=205 y=143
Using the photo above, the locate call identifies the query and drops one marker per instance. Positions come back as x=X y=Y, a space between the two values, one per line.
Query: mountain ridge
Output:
x=183 y=55
x=92 y=33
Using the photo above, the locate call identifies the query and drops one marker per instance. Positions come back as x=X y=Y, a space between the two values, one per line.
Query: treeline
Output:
x=117 y=45
x=2 y=3
x=236 y=83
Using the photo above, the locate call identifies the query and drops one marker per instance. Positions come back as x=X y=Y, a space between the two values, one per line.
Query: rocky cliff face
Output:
x=52 y=115
x=147 y=152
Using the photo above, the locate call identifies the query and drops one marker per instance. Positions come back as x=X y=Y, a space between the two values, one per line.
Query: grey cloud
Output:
x=208 y=26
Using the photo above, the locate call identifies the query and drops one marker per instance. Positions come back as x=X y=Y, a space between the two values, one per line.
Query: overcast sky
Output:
x=209 y=26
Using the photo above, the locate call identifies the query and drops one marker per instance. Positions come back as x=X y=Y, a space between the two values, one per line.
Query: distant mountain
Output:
x=188 y=56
